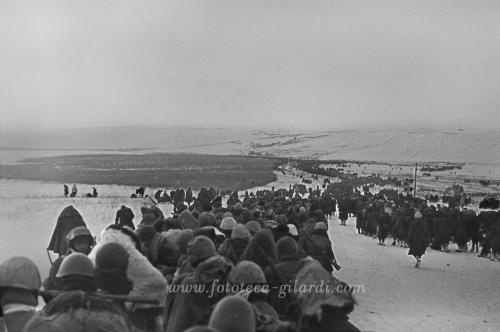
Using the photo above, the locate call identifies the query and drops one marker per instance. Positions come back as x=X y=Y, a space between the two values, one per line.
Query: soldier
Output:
x=79 y=308
x=125 y=217
x=418 y=238
x=79 y=240
x=74 y=190
x=19 y=281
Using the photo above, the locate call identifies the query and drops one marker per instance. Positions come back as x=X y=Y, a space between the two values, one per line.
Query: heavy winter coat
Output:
x=283 y=273
x=359 y=220
x=186 y=308
x=53 y=283
x=371 y=221
x=125 y=217
x=15 y=321
x=443 y=224
x=314 y=305
x=331 y=320
x=418 y=237
x=473 y=229
x=188 y=221
x=343 y=215
x=401 y=224
x=233 y=249
x=261 y=250
x=317 y=245
x=461 y=232
x=494 y=237
x=74 y=311
x=384 y=224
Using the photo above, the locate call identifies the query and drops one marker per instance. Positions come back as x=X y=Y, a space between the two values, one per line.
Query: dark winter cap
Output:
x=147 y=219
x=281 y=219
x=207 y=219
x=240 y=232
x=146 y=232
x=247 y=273
x=287 y=247
x=199 y=249
x=253 y=226
x=233 y=314
x=237 y=207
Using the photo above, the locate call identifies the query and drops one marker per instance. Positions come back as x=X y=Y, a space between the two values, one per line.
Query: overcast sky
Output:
x=218 y=63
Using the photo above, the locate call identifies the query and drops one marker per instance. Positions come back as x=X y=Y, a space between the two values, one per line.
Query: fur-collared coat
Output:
x=147 y=280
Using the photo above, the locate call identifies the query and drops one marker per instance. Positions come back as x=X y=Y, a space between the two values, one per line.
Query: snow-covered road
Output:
x=451 y=292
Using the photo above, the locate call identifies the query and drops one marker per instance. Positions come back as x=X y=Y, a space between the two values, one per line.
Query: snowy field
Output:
x=29 y=210
x=451 y=292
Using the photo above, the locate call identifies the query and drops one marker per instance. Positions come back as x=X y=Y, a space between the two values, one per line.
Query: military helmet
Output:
x=76 y=264
x=78 y=232
x=20 y=272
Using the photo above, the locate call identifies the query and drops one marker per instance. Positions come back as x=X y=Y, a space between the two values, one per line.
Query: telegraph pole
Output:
x=415 y=182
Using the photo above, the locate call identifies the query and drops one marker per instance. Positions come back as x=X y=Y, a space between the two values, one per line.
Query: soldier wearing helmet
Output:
x=19 y=281
x=76 y=273
x=79 y=240
x=79 y=308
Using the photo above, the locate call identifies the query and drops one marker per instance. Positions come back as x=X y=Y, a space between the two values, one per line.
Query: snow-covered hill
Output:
x=386 y=145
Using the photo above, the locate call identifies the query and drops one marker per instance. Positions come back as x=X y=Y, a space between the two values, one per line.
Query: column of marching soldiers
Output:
x=262 y=262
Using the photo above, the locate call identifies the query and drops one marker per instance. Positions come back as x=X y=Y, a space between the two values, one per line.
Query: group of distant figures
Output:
x=176 y=197
x=74 y=191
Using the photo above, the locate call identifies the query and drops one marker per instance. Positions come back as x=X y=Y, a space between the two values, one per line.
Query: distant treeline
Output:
x=438 y=168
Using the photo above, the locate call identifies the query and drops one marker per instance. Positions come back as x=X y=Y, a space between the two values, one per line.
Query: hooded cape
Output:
x=67 y=220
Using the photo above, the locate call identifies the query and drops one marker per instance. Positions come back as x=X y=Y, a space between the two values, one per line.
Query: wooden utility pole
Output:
x=415 y=182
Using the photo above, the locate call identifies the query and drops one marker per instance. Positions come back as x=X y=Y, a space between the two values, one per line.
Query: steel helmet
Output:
x=20 y=272
x=76 y=264
x=77 y=232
